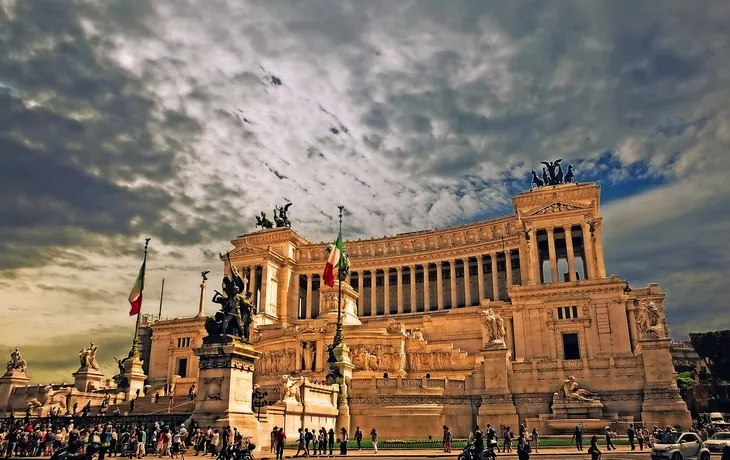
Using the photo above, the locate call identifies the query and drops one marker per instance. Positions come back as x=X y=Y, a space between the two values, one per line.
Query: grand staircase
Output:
x=144 y=406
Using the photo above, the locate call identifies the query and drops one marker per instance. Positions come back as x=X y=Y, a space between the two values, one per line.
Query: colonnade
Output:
x=430 y=286
x=567 y=245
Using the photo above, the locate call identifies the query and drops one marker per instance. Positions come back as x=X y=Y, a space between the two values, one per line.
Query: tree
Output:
x=714 y=348
x=685 y=382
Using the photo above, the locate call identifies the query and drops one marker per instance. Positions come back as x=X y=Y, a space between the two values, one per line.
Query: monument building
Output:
x=506 y=321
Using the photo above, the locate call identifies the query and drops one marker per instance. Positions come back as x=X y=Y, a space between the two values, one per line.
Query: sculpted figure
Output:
x=281 y=216
x=494 y=325
x=16 y=363
x=307 y=356
x=87 y=357
x=648 y=320
x=291 y=389
x=236 y=314
x=263 y=221
x=573 y=391
x=554 y=171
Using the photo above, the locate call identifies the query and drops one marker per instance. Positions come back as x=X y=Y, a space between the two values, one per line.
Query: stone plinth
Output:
x=574 y=409
x=497 y=406
x=87 y=379
x=8 y=382
x=662 y=405
x=328 y=301
x=225 y=386
x=135 y=376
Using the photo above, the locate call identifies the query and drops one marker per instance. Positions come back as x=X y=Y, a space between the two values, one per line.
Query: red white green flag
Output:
x=135 y=297
x=334 y=262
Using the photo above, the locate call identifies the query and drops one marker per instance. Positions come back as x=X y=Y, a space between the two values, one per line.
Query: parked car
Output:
x=680 y=446
x=718 y=441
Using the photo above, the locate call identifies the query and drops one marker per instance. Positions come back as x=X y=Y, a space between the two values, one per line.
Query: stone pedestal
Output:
x=497 y=407
x=662 y=403
x=225 y=386
x=135 y=376
x=328 y=301
x=345 y=366
x=87 y=379
x=574 y=409
x=8 y=382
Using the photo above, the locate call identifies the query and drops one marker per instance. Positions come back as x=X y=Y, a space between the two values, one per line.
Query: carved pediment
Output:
x=247 y=249
x=556 y=207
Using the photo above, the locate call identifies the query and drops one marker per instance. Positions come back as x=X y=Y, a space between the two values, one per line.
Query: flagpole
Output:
x=135 y=341
x=338 y=332
x=162 y=293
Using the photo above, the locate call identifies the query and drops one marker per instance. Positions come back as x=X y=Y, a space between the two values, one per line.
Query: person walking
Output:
x=578 y=437
x=343 y=441
x=280 y=441
x=272 y=440
x=631 y=433
x=609 y=442
x=331 y=440
x=302 y=446
x=640 y=438
x=523 y=448
x=374 y=440
x=535 y=439
x=446 y=440
x=358 y=438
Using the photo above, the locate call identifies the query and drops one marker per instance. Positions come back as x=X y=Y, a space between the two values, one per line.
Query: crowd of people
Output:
x=29 y=438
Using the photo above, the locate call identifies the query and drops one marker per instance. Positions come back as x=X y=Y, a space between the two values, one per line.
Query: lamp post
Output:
x=259 y=401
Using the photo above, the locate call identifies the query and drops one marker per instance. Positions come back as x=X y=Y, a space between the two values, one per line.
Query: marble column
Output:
x=347 y=279
x=440 y=285
x=633 y=329
x=308 y=301
x=588 y=251
x=399 y=285
x=264 y=298
x=598 y=247
x=508 y=269
x=571 y=253
x=553 y=259
x=452 y=272
x=373 y=292
x=361 y=297
x=480 y=276
x=495 y=276
x=412 y=269
x=467 y=283
x=252 y=286
x=386 y=291
x=426 y=290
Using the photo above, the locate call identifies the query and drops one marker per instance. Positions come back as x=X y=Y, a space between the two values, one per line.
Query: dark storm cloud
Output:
x=74 y=128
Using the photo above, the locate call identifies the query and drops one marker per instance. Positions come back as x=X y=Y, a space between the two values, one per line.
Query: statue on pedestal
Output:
x=16 y=363
x=235 y=316
x=291 y=389
x=87 y=357
x=648 y=320
x=572 y=390
x=495 y=326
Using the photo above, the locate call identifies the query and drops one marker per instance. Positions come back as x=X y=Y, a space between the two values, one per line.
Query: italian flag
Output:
x=334 y=262
x=135 y=297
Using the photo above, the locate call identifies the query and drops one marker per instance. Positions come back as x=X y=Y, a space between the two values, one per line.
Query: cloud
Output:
x=124 y=119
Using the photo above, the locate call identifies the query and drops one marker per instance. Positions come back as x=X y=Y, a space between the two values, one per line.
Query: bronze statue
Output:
x=235 y=315
x=281 y=216
x=569 y=176
x=536 y=182
x=552 y=169
x=263 y=221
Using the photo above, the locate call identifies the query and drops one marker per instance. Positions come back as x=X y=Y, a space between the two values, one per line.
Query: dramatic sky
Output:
x=181 y=119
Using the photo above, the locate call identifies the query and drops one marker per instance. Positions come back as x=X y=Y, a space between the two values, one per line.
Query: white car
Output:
x=718 y=441
x=679 y=446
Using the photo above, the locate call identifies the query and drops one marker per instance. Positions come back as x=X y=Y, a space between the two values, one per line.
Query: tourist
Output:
x=322 y=441
x=191 y=393
x=523 y=448
x=157 y=397
x=280 y=441
x=594 y=450
x=343 y=441
x=315 y=442
x=131 y=406
x=302 y=444
x=308 y=436
x=507 y=440
x=609 y=435
x=631 y=433
x=374 y=440
x=272 y=440
x=478 y=441
x=358 y=438
x=578 y=437
x=331 y=440
x=105 y=442
x=491 y=436
x=535 y=439
x=446 y=441
x=640 y=438
x=141 y=443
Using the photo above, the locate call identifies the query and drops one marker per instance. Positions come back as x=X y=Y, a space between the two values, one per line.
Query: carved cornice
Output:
x=581 y=290
x=532 y=199
x=409 y=400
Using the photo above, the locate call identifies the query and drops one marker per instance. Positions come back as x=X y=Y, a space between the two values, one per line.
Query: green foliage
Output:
x=714 y=348
x=685 y=382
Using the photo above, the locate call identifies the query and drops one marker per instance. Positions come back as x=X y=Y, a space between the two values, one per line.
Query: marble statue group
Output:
x=16 y=363
x=494 y=325
x=87 y=357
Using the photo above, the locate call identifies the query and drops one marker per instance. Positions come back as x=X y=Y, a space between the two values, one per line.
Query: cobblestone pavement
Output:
x=545 y=453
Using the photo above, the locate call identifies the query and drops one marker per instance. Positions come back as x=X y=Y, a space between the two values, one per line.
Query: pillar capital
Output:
x=550 y=230
x=440 y=263
x=399 y=269
x=386 y=270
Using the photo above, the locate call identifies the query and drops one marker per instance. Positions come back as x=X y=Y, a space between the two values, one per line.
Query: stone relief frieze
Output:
x=556 y=207
x=277 y=362
x=377 y=358
x=213 y=387
x=406 y=400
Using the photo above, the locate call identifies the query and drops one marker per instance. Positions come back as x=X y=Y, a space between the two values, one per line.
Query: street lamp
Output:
x=259 y=401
